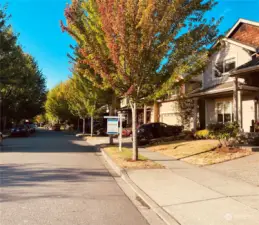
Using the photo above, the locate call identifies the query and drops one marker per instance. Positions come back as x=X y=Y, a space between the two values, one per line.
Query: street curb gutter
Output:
x=168 y=219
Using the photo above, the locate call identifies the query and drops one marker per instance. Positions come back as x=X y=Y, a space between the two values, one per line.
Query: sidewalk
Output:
x=197 y=196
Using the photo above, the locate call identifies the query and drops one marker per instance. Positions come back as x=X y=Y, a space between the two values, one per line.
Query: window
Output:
x=224 y=66
x=224 y=112
x=230 y=64
x=218 y=69
x=176 y=91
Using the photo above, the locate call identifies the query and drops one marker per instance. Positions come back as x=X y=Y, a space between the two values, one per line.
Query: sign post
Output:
x=113 y=127
x=120 y=141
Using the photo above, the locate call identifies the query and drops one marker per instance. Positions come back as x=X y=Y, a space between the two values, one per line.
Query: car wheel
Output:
x=150 y=137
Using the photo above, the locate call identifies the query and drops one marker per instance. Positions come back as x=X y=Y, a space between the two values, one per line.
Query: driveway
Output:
x=246 y=168
x=56 y=179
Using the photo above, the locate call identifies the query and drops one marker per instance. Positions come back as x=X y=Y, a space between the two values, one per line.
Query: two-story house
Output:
x=230 y=83
x=228 y=89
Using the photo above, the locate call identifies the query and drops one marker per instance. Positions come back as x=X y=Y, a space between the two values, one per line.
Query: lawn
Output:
x=217 y=156
x=183 y=149
x=199 y=152
x=123 y=159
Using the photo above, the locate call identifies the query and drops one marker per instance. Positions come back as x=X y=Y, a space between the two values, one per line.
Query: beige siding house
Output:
x=169 y=111
x=228 y=89
x=230 y=97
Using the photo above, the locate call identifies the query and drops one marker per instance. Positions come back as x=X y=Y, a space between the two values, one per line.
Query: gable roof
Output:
x=245 y=32
x=239 y=43
x=250 y=66
x=254 y=23
x=253 y=62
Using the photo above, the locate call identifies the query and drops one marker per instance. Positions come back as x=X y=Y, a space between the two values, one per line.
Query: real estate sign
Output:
x=112 y=125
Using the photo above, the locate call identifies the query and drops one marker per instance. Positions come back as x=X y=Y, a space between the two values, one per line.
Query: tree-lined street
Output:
x=54 y=178
x=122 y=112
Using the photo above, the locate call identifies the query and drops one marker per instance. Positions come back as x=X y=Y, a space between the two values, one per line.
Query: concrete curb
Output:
x=5 y=136
x=168 y=219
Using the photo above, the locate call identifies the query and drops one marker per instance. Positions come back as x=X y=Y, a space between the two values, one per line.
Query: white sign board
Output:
x=113 y=125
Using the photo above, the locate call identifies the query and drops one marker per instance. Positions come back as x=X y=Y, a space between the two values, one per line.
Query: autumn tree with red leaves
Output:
x=141 y=48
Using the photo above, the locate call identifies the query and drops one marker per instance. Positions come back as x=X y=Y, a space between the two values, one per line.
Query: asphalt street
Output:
x=52 y=178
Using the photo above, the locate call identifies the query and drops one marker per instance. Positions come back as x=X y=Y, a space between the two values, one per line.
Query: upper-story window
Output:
x=175 y=91
x=224 y=66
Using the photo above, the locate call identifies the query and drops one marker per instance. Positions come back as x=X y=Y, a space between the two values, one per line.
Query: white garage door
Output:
x=169 y=118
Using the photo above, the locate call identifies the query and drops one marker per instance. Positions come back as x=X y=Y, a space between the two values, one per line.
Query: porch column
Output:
x=235 y=107
x=156 y=112
x=145 y=114
x=195 y=111
x=239 y=109
x=256 y=109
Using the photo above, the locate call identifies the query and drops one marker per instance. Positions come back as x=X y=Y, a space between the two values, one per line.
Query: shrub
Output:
x=225 y=133
x=202 y=134
x=256 y=141
x=177 y=129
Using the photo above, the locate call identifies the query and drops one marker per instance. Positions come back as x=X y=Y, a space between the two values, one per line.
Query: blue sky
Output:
x=37 y=21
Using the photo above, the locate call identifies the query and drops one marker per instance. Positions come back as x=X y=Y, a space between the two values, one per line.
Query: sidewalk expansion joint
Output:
x=205 y=200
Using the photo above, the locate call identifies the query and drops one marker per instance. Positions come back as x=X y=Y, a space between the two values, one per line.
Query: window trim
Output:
x=231 y=110
x=223 y=61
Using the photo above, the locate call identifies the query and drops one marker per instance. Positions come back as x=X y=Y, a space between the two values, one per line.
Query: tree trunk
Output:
x=134 y=132
x=156 y=112
x=78 y=125
x=83 y=125
x=5 y=121
x=92 y=125
x=111 y=113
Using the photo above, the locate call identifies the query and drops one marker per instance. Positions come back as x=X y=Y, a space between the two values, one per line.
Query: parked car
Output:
x=147 y=132
x=126 y=132
x=31 y=127
x=20 y=130
x=56 y=127
x=1 y=138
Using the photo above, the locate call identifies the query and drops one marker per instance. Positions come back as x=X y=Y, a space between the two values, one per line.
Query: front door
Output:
x=248 y=114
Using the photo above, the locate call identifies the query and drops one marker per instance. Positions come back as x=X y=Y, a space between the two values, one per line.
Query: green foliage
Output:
x=202 y=134
x=22 y=84
x=185 y=106
x=124 y=42
x=76 y=97
x=40 y=118
x=121 y=44
x=224 y=132
x=56 y=106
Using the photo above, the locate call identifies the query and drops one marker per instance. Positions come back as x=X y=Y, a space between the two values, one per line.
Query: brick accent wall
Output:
x=247 y=34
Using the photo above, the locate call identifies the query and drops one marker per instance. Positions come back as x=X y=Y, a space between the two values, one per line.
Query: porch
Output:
x=246 y=79
x=143 y=115
x=228 y=102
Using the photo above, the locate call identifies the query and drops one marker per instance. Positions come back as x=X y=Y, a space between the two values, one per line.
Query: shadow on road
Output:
x=47 y=141
x=28 y=175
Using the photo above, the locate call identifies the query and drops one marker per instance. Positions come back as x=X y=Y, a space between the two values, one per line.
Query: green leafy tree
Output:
x=84 y=99
x=56 y=106
x=134 y=37
x=87 y=31
x=40 y=119
x=225 y=133
x=22 y=84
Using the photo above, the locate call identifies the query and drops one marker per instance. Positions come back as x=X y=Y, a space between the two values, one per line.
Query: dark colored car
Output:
x=56 y=127
x=31 y=127
x=20 y=130
x=147 y=132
